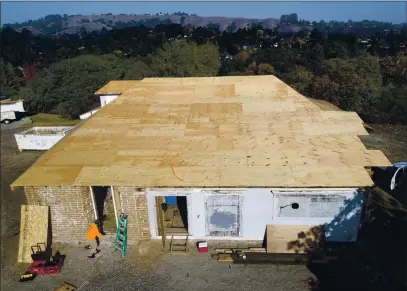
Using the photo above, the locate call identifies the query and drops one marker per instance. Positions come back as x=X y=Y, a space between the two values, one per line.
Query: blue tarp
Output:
x=171 y=200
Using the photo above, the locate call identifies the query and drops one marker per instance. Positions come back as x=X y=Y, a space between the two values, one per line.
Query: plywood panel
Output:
x=33 y=230
x=212 y=131
x=116 y=87
x=293 y=238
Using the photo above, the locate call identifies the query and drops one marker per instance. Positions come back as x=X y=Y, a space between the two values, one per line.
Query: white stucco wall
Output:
x=340 y=216
x=257 y=212
x=259 y=207
x=106 y=99
x=40 y=138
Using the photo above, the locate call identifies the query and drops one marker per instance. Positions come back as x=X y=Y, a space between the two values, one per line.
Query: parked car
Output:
x=398 y=177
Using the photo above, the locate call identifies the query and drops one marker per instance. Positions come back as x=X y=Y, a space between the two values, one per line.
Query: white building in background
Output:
x=41 y=138
x=7 y=105
x=9 y=109
x=104 y=100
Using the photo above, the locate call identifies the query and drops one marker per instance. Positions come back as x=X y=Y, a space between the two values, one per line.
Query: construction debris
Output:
x=225 y=258
x=260 y=256
x=66 y=287
x=43 y=263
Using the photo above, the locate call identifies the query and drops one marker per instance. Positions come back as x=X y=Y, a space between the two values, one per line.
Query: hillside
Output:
x=53 y=24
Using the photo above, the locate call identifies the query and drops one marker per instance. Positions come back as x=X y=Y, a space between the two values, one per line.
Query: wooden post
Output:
x=160 y=217
x=114 y=206
x=92 y=196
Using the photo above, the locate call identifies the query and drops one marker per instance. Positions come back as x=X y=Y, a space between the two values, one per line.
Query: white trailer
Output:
x=8 y=116
x=8 y=110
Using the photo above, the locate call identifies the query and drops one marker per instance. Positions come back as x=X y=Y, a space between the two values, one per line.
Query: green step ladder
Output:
x=121 y=234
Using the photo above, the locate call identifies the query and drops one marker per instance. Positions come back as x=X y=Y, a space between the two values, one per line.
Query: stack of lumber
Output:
x=266 y=258
x=230 y=254
x=260 y=256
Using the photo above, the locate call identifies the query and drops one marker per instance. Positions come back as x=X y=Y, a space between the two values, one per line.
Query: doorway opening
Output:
x=172 y=215
x=104 y=207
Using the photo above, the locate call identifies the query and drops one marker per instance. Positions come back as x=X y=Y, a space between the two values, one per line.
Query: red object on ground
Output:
x=43 y=267
x=43 y=263
x=203 y=247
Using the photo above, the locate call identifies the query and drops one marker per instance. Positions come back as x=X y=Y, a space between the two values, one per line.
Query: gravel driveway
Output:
x=15 y=124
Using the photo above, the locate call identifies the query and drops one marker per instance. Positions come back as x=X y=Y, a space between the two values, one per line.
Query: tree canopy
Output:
x=365 y=72
x=68 y=87
x=183 y=59
x=8 y=81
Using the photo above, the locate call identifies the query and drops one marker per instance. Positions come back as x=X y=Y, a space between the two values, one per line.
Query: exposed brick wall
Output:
x=71 y=210
x=134 y=204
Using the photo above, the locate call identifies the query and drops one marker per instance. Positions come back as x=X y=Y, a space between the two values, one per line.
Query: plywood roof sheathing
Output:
x=246 y=131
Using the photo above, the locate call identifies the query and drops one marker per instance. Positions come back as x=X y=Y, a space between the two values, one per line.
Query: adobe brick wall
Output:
x=134 y=203
x=71 y=210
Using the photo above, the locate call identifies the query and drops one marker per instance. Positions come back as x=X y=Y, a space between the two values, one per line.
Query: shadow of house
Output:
x=309 y=242
x=377 y=260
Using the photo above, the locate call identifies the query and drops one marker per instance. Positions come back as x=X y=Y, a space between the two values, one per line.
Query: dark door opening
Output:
x=175 y=215
x=104 y=207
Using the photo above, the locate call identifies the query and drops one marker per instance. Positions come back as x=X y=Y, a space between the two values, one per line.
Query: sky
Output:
x=395 y=12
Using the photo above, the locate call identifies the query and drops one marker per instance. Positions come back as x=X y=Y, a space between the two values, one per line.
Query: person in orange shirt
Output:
x=93 y=237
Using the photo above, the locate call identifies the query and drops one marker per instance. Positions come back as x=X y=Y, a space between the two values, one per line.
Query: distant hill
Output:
x=56 y=24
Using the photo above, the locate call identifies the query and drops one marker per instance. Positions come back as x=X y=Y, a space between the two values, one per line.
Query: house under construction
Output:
x=229 y=156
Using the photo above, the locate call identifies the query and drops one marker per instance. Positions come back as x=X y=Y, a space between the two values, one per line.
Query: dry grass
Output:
x=45 y=119
x=391 y=139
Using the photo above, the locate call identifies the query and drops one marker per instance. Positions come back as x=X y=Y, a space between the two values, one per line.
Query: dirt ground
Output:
x=392 y=140
x=146 y=267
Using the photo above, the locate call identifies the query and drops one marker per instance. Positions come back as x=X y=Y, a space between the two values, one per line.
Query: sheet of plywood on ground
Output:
x=223 y=131
x=292 y=238
x=33 y=230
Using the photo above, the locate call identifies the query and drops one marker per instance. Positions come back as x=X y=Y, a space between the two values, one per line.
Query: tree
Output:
x=316 y=35
x=243 y=55
x=322 y=87
x=290 y=18
x=315 y=56
x=265 y=69
x=68 y=87
x=137 y=70
x=283 y=59
x=392 y=106
x=394 y=70
x=8 y=80
x=358 y=80
x=336 y=49
x=300 y=79
x=183 y=59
